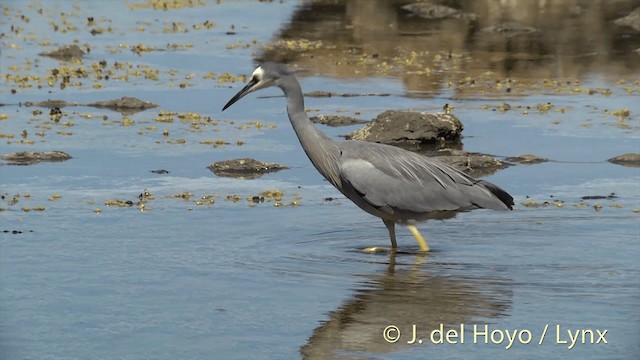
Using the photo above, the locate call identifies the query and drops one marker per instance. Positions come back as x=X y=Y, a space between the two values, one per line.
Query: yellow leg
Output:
x=416 y=234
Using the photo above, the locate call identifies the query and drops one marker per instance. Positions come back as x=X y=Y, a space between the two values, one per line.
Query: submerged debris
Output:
x=245 y=168
x=33 y=157
x=336 y=120
x=397 y=127
x=527 y=159
x=630 y=159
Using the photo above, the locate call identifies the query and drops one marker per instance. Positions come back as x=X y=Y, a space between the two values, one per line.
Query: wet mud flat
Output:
x=133 y=248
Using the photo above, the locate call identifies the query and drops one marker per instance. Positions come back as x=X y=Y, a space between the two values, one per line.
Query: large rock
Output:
x=405 y=127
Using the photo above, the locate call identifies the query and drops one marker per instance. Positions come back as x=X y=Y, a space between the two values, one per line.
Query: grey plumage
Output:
x=394 y=184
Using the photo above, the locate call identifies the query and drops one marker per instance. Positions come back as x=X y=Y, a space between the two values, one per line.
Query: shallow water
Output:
x=230 y=280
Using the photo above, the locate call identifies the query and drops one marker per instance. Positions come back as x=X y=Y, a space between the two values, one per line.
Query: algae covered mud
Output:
x=132 y=248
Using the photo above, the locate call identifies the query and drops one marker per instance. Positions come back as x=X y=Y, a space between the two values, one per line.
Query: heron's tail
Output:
x=499 y=193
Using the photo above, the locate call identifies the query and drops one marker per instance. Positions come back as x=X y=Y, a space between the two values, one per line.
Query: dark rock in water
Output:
x=599 y=197
x=434 y=11
x=336 y=120
x=32 y=157
x=159 y=171
x=473 y=164
x=244 y=168
x=320 y=94
x=632 y=20
x=15 y=232
x=632 y=160
x=124 y=104
x=405 y=127
x=526 y=159
x=65 y=53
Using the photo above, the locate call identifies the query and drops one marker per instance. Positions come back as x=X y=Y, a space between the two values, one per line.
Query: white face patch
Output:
x=257 y=73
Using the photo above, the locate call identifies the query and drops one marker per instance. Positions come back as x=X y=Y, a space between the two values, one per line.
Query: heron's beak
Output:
x=251 y=86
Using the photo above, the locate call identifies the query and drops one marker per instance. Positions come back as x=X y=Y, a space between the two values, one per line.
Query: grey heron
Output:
x=393 y=184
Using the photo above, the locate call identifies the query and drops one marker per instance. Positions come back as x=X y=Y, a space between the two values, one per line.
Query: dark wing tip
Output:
x=499 y=193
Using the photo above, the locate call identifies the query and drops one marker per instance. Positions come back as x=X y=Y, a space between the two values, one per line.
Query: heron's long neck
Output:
x=322 y=151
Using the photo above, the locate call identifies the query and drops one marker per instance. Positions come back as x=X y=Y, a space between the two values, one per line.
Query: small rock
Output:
x=397 y=127
x=526 y=159
x=65 y=53
x=244 y=168
x=632 y=20
x=124 y=104
x=473 y=164
x=32 y=157
x=336 y=120
x=632 y=160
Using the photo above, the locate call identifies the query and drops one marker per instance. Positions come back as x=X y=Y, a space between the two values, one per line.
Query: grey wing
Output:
x=389 y=176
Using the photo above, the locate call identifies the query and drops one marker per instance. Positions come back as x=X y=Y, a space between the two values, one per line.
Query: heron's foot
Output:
x=378 y=249
x=416 y=234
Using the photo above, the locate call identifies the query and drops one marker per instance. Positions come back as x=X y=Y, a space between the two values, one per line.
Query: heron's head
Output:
x=265 y=75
